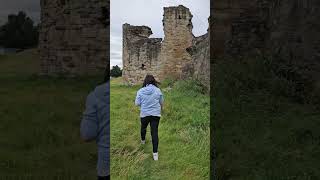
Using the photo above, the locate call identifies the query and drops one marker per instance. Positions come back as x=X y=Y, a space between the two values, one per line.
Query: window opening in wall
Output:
x=143 y=67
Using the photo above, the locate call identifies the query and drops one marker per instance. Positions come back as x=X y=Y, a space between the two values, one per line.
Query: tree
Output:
x=19 y=32
x=115 y=71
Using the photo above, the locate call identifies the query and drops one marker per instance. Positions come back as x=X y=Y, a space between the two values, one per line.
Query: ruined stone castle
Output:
x=74 y=37
x=179 y=55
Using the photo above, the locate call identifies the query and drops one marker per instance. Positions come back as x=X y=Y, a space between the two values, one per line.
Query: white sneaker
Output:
x=143 y=141
x=155 y=156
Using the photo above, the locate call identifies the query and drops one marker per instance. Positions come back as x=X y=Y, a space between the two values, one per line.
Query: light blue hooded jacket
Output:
x=149 y=99
x=95 y=125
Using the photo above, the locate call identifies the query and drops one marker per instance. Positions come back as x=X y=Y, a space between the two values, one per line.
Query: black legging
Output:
x=154 y=123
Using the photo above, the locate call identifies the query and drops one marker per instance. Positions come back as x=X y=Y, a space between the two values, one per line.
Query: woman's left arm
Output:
x=137 y=102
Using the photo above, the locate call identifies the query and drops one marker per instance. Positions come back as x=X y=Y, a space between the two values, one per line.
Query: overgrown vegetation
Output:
x=183 y=132
x=264 y=126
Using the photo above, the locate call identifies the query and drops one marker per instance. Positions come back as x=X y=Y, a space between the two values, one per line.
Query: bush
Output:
x=116 y=71
x=167 y=83
x=190 y=86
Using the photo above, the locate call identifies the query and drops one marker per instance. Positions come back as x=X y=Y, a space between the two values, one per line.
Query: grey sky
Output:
x=150 y=13
x=31 y=7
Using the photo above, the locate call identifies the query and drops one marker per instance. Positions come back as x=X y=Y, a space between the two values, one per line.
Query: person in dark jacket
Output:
x=150 y=99
x=95 y=125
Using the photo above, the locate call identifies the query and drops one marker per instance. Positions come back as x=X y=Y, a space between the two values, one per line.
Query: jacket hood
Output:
x=149 y=89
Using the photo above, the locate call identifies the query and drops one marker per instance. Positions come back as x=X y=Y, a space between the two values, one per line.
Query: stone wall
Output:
x=141 y=54
x=224 y=13
x=199 y=68
x=286 y=29
x=167 y=59
x=293 y=36
x=74 y=37
x=283 y=30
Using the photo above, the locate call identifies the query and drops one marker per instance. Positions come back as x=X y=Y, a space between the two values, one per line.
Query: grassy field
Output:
x=183 y=135
x=260 y=132
x=39 y=122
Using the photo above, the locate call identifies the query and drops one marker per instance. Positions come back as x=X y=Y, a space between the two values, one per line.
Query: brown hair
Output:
x=149 y=79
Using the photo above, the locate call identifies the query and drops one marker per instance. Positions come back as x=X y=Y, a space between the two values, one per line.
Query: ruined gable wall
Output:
x=141 y=54
x=74 y=37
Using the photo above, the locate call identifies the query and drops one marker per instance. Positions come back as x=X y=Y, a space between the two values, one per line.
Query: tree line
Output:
x=19 y=32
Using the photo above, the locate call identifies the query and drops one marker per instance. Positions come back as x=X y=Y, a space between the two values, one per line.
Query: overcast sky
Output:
x=134 y=12
x=150 y=13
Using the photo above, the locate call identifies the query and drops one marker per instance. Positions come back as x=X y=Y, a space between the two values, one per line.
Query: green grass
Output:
x=262 y=132
x=40 y=118
x=21 y=64
x=183 y=135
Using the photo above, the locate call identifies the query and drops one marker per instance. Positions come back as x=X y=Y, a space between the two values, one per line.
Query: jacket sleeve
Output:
x=89 y=123
x=161 y=99
x=138 y=99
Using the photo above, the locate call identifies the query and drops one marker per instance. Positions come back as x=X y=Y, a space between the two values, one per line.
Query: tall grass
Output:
x=39 y=124
x=183 y=132
x=261 y=128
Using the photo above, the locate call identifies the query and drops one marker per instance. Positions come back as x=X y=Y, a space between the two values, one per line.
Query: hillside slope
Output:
x=183 y=135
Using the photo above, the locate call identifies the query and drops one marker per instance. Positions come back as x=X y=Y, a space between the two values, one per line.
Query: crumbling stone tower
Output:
x=178 y=37
x=74 y=37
